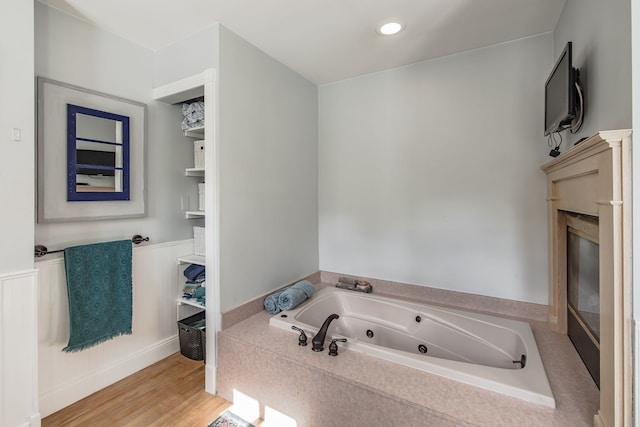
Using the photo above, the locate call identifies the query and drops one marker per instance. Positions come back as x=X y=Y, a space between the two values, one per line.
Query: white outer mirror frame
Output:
x=51 y=171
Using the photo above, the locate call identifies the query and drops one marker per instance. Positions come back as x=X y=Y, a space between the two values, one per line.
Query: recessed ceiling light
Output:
x=389 y=27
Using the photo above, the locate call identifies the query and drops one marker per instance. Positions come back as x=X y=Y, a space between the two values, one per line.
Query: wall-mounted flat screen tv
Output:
x=560 y=94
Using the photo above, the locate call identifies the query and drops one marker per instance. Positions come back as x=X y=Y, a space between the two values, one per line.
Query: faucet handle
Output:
x=333 y=347
x=302 y=339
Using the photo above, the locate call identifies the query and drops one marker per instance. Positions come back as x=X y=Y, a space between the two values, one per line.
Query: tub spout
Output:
x=318 y=339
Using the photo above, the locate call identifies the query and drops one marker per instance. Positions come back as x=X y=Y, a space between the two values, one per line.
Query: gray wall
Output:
x=430 y=173
x=16 y=157
x=100 y=61
x=269 y=173
x=636 y=177
x=602 y=32
x=428 y=183
x=601 y=36
x=266 y=127
x=188 y=57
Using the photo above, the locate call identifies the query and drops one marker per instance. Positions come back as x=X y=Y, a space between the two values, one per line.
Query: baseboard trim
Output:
x=67 y=393
x=35 y=420
x=211 y=383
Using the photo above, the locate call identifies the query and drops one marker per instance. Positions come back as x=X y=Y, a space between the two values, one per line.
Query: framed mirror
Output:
x=97 y=155
x=90 y=154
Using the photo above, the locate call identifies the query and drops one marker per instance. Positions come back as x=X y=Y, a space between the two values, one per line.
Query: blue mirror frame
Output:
x=73 y=167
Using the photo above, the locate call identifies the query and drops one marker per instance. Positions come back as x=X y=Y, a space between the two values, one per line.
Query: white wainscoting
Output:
x=65 y=378
x=18 y=363
x=636 y=373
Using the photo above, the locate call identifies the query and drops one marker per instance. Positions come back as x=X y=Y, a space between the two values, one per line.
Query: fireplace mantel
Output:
x=594 y=178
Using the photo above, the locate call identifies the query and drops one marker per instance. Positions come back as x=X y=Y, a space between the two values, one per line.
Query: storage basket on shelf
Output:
x=198 y=154
x=192 y=335
x=201 y=196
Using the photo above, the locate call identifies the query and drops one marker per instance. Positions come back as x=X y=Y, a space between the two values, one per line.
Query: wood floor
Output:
x=168 y=393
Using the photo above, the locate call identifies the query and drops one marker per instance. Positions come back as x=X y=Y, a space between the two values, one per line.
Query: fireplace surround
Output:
x=593 y=178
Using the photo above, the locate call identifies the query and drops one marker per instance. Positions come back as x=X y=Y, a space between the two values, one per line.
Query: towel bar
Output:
x=41 y=250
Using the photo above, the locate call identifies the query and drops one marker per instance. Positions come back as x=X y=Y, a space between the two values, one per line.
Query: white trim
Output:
x=212 y=223
x=19 y=332
x=205 y=84
x=18 y=274
x=636 y=360
x=52 y=205
x=181 y=90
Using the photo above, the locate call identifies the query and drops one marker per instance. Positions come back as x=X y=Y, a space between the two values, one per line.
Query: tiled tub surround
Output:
x=459 y=300
x=244 y=311
x=265 y=363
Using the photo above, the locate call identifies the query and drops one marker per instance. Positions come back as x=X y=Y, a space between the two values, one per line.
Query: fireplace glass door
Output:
x=583 y=290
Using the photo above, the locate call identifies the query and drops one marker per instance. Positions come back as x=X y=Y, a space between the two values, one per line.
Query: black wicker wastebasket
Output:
x=192 y=335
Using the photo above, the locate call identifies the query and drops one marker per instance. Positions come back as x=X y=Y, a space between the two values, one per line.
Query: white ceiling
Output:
x=327 y=40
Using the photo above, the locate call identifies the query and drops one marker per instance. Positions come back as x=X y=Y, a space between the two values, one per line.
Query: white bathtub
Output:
x=481 y=350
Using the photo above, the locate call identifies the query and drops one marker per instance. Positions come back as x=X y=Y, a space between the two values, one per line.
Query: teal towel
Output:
x=294 y=295
x=99 y=287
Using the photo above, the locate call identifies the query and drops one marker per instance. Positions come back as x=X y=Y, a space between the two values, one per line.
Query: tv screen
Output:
x=559 y=94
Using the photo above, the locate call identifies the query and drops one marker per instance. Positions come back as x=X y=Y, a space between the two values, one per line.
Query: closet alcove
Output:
x=202 y=85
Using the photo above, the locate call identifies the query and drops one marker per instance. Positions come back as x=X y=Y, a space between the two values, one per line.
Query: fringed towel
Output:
x=99 y=287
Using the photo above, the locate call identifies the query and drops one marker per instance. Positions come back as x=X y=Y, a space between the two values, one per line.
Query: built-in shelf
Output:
x=194 y=214
x=192 y=259
x=199 y=86
x=194 y=172
x=192 y=303
x=196 y=132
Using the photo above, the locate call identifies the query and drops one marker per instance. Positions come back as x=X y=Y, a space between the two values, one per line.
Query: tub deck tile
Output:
x=265 y=362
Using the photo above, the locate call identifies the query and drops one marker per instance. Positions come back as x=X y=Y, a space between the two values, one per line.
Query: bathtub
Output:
x=484 y=351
